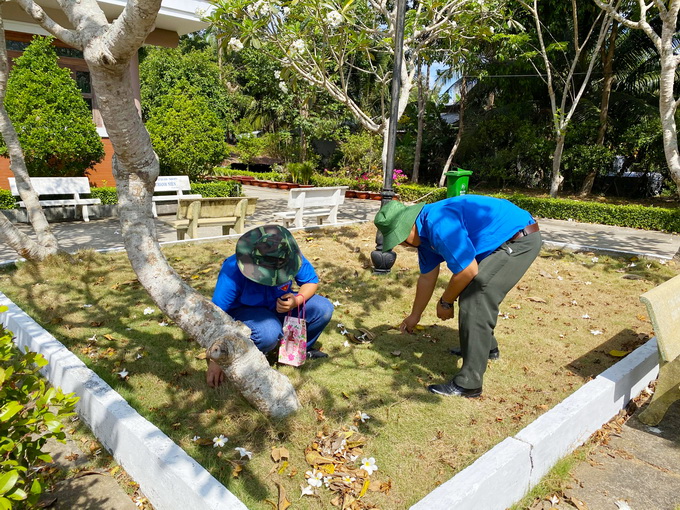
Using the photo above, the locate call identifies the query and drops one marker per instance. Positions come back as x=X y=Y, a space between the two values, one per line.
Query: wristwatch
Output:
x=445 y=305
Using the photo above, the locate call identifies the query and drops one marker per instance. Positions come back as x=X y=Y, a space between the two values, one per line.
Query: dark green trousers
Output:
x=481 y=299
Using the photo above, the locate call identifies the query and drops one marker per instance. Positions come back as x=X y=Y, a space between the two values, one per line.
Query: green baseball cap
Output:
x=395 y=220
x=268 y=255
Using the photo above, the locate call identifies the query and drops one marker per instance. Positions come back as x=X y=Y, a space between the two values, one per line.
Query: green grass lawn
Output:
x=558 y=329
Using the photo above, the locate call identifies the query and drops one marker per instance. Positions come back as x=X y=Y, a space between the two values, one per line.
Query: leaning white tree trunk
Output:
x=46 y=243
x=108 y=48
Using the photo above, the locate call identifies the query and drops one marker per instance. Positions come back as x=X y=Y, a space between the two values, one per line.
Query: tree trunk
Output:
x=421 y=122
x=668 y=106
x=557 y=177
x=135 y=169
x=46 y=241
x=608 y=70
x=459 y=135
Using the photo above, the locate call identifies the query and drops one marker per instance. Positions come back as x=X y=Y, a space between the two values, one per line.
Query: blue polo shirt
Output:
x=234 y=290
x=461 y=229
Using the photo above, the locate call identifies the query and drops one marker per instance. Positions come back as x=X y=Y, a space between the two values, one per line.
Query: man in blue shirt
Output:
x=255 y=286
x=488 y=244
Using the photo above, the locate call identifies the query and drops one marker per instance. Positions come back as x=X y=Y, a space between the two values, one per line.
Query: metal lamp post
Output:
x=383 y=261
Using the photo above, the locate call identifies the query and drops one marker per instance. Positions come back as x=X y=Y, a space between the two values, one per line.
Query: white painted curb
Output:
x=169 y=478
x=504 y=474
x=173 y=480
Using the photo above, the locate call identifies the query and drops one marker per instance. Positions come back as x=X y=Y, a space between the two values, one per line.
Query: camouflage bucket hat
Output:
x=268 y=255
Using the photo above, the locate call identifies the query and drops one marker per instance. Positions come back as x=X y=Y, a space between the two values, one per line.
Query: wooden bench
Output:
x=172 y=188
x=227 y=212
x=319 y=203
x=55 y=186
x=663 y=305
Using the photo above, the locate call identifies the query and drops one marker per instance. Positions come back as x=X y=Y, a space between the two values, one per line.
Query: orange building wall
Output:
x=100 y=175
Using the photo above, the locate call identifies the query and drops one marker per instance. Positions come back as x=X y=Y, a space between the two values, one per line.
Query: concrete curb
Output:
x=504 y=474
x=173 y=480
x=604 y=251
x=169 y=478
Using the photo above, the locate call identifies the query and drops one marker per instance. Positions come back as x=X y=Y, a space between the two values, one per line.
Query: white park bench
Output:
x=56 y=186
x=319 y=203
x=172 y=188
x=663 y=305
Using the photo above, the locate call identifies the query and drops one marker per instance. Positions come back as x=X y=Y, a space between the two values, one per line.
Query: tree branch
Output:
x=36 y=12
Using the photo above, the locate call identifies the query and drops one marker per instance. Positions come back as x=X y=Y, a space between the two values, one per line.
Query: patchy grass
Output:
x=558 y=330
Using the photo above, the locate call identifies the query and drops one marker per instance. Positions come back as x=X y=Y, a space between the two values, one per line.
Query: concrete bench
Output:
x=319 y=203
x=56 y=186
x=172 y=188
x=663 y=305
x=227 y=212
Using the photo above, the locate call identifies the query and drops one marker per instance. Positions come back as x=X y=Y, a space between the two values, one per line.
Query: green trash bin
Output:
x=457 y=182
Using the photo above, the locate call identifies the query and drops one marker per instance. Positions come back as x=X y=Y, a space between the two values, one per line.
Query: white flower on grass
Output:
x=148 y=311
x=368 y=465
x=235 y=44
x=346 y=344
x=307 y=490
x=560 y=278
x=139 y=356
x=632 y=264
x=334 y=18
x=87 y=306
x=219 y=441
x=364 y=417
x=283 y=87
x=163 y=323
x=298 y=46
x=352 y=458
x=93 y=338
x=123 y=374
x=337 y=303
x=585 y=316
x=327 y=481
x=195 y=438
x=595 y=259
x=348 y=479
x=243 y=452
x=588 y=283
x=595 y=332
x=314 y=478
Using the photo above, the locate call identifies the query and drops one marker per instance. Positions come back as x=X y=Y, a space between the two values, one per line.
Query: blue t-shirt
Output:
x=234 y=290
x=461 y=229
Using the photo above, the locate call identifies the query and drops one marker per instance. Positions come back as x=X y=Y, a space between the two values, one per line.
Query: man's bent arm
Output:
x=459 y=282
x=424 y=289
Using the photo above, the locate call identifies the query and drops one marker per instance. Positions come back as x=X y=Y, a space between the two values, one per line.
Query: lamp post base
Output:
x=383 y=261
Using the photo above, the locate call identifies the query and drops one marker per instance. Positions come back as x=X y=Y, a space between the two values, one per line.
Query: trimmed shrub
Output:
x=7 y=200
x=107 y=195
x=52 y=120
x=31 y=413
x=217 y=188
x=186 y=134
x=301 y=173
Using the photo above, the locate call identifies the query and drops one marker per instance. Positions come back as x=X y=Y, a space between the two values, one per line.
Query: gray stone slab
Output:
x=91 y=492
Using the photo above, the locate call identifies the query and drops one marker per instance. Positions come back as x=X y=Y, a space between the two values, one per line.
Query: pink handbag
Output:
x=293 y=348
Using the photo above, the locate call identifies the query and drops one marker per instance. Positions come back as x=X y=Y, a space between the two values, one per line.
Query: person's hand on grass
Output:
x=409 y=323
x=286 y=303
x=215 y=376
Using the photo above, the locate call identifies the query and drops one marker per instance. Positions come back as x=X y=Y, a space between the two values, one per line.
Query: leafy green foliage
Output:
x=250 y=147
x=163 y=69
x=53 y=121
x=301 y=172
x=217 y=188
x=362 y=151
x=7 y=201
x=107 y=195
x=185 y=133
x=31 y=413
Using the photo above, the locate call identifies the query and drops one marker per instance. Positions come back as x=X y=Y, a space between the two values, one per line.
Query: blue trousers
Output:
x=267 y=326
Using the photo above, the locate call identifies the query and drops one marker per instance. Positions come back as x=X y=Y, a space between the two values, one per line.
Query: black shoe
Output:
x=316 y=354
x=494 y=354
x=451 y=389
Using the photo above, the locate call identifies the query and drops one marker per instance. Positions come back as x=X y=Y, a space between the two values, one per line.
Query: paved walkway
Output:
x=639 y=467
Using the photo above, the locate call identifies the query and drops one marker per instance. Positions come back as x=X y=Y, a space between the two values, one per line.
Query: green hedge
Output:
x=634 y=216
x=7 y=200
x=108 y=195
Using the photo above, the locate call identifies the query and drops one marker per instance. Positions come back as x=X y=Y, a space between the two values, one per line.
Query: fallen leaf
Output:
x=619 y=354
x=314 y=458
x=580 y=505
x=280 y=453
x=283 y=500
x=536 y=299
x=237 y=470
x=319 y=414
x=396 y=353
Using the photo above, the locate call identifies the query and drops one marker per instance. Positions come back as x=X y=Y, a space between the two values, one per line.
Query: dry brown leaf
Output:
x=280 y=453
x=237 y=470
x=283 y=500
x=314 y=458
x=536 y=299
x=319 y=414
x=580 y=505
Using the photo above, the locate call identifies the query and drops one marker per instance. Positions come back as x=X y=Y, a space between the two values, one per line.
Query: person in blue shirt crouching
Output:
x=255 y=286
x=488 y=244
